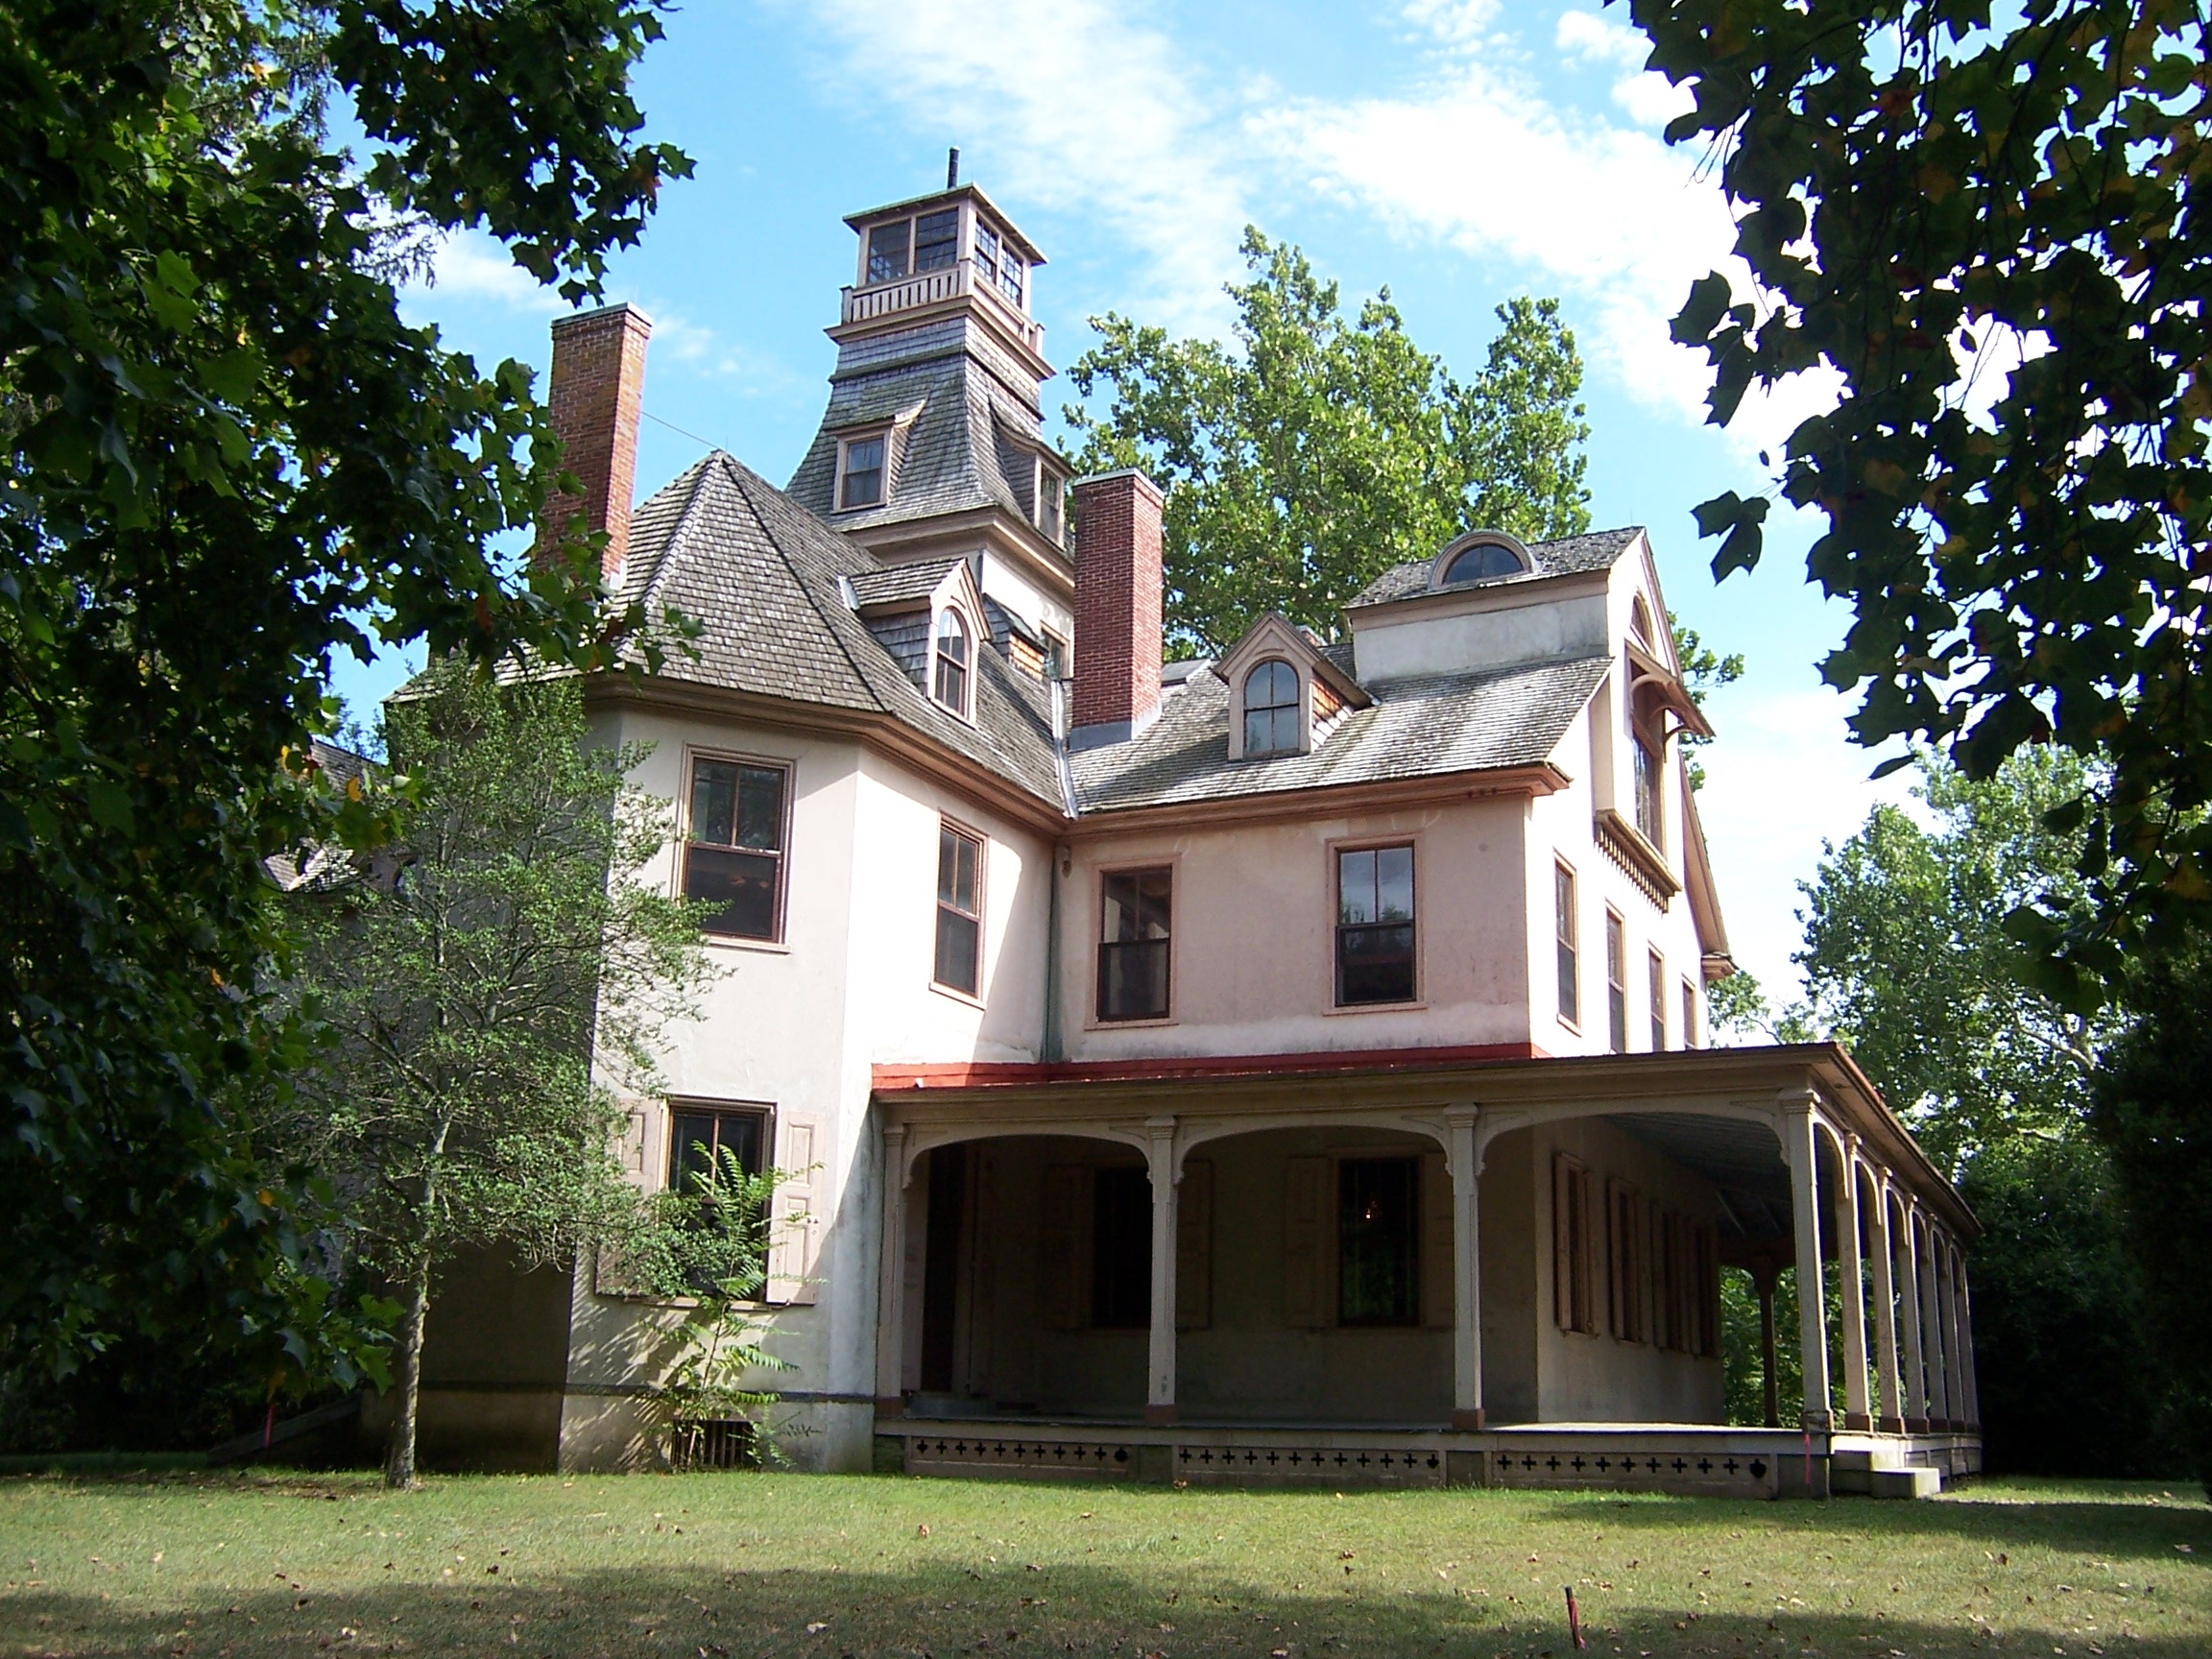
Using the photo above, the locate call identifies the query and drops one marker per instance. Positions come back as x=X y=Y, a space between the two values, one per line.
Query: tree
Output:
x=491 y=990
x=1704 y=671
x=224 y=457
x=1321 y=451
x=1996 y=234
x=1906 y=960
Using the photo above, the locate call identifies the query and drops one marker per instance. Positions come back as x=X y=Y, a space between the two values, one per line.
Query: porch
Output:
x=1415 y=1271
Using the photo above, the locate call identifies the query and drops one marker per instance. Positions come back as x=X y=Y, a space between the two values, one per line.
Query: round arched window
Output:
x=950 y=682
x=1484 y=561
x=1271 y=710
x=1640 y=619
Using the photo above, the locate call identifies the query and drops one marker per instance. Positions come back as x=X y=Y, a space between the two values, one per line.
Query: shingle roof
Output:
x=1416 y=727
x=901 y=582
x=761 y=574
x=1569 y=556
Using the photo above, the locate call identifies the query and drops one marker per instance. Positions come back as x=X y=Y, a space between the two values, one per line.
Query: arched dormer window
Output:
x=949 y=683
x=1480 y=556
x=1640 y=619
x=1273 y=709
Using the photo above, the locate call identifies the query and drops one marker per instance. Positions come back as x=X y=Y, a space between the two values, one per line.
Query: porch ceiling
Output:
x=1741 y=1158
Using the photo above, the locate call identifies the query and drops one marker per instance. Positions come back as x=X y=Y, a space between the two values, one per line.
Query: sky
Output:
x=1457 y=152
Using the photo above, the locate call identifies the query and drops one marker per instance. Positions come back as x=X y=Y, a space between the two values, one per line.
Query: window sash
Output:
x=1375 y=925
x=1133 y=979
x=862 y=485
x=1689 y=1015
x=1378 y=1241
x=734 y=852
x=936 y=240
x=951 y=686
x=690 y=1128
x=1617 y=982
x=887 y=245
x=1648 y=791
x=1272 y=731
x=1570 y=956
x=959 y=911
x=1658 y=1004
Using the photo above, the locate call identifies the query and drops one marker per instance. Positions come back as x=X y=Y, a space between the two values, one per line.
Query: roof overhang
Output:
x=938 y=198
x=1327 y=799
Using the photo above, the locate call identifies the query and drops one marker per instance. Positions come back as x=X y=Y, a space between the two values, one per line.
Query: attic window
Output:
x=1640 y=619
x=1047 y=499
x=1483 y=562
x=860 y=472
x=949 y=683
x=1271 y=710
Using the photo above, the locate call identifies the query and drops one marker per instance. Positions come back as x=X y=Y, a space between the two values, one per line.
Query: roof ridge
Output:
x=696 y=472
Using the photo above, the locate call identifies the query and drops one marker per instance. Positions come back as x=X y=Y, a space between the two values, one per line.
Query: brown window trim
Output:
x=982 y=844
x=780 y=852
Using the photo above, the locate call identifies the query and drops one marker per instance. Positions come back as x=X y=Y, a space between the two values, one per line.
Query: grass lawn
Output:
x=705 y=1566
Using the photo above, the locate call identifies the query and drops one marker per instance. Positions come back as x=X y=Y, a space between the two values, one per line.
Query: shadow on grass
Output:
x=942 y=1611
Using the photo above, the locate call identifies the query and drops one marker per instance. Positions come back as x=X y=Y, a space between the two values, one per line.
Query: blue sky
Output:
x=1457 y=151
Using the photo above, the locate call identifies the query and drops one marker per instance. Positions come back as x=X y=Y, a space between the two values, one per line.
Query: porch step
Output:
x=1904 y=1483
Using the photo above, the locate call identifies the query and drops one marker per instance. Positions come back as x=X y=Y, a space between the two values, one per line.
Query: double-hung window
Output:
x=1617 y=981
x=950 y=683
x=860 y=473
x=1566 y=930
x=1689 y=1015
x=1648 y=769
x=1271 y=710
x=733 y=851
x=959 y=910
x=1658 y=1003
x=1375 y=925
x=1134 y=914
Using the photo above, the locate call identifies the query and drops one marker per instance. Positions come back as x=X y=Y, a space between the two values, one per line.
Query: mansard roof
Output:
x=1569 y=556
x=761 y=574
x=1415 y=728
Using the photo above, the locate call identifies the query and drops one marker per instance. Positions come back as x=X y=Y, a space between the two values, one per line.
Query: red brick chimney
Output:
x=1116 y=607
x=597 y=385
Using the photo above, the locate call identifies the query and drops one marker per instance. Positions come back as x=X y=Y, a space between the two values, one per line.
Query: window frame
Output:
x=1567 y=942
x=964 y=668
x=1648 y=762
x=788 y=766
x=1338 y=851
x=1410 y=1316
x=1574 y=1298
x=1295 y=708
x=1099 y=1019
x=1049 y=487
x=961 y=833
x=1656 y=965
x=846 y=441
x=1616 y=981
x=1689 y=1014
x=759 y=1112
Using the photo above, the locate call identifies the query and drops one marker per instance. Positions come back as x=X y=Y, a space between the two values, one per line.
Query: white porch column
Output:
x=1851 y=1273
x=1953 y=1365
x=1892 y=1418
x=1966 y=1347
x=1915 y=1357
x=1160 y=1383
x=1802 y=1150
x=891 y=1279
x=1932 y=1325
x=1466 y=1273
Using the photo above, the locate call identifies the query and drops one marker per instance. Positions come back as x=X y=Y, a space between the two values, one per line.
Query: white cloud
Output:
x=1653 y=100
x=1463 y=24
x=469 y=264
x=1081 y=106
x=1586 y=37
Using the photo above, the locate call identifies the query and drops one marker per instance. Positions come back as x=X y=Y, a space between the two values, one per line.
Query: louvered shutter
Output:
x=1435 y=1242
x=794 y=1228
x=1309 y=1259
x=1195 y=1247
x=1062 y=1240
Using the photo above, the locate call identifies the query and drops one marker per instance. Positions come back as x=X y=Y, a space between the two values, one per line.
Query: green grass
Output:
x=749 y=1564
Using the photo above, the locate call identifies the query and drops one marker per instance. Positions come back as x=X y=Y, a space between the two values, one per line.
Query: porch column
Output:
x=1801 y=1149
x=1466 y=1273
x=1160 y=1385
x=1892 y=1418
x=1966 y=1347
x=1954 y=1364
x=1851 y=1271
x=1915 y=1357
x=891 y=1279
x=1932 y=1326
x=1763 y=1276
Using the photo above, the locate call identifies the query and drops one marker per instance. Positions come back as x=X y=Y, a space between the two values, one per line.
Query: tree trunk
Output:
x=399 y=1455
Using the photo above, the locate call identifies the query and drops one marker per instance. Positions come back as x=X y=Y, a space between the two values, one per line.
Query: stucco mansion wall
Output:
x=1252 y=948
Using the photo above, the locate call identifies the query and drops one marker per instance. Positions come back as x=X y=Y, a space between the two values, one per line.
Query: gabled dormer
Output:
x=934 y=623
x=1284 y=691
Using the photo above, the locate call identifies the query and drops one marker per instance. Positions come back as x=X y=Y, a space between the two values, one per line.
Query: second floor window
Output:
x=959 y=910
x=733 y=854
x=1647 y=819
x=1134 y=914
x=1375 y=925
x=1566 y=930
x=1689 y=1015
x=861 y=483
x=1658 y=1004
x=1617 y=982
x=950 y=686
x=1271 y=710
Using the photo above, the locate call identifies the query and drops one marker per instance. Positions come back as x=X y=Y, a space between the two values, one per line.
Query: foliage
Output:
x=1704 y=670
x=1321 y=451
x=2153 y=1111
x=1927 y=197
x=491 y=989
x=224 y=457
x=708 y=1245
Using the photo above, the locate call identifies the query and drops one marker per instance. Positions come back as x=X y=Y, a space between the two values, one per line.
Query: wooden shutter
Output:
x=1435 y=1242
x=1195 y=1247
x=1308 y=1240
x=1064 y=1238
x=794 y=1229
x=1563 y=1240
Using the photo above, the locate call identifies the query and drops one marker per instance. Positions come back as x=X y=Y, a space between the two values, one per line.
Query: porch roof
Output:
x=1689 y=1104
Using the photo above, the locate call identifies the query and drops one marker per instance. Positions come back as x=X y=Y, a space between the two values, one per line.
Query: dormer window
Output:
x=1273 y=709
x=860 y=472
x=948 y=681
x=1640 y=619
x=1484 y=561
x=1047 y=497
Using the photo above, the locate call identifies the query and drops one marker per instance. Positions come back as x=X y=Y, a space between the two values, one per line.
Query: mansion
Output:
x=1287 y=1066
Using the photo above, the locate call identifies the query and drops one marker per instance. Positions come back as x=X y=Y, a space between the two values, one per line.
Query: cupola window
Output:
x=950 y=684
x=937 y=240
x=998 y=264
x=887 y=245
x=1272 y=708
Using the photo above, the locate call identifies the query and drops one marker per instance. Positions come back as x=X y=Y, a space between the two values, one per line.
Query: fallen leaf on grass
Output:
x=817 y=1627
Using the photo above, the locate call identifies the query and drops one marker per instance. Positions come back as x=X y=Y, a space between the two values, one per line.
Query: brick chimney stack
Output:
x=1116 y=607
x=598 y=384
